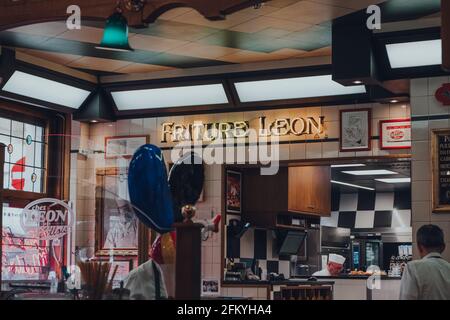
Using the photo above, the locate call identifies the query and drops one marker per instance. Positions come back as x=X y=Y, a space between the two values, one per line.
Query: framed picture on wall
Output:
x=233 y=195
x=124 y=146
x=440 y=153
x=116 y=225
x=355 y=127
x=395 y=134
x=210 y=287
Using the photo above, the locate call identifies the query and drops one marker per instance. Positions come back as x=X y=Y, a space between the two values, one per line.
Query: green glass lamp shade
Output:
x=115 y=35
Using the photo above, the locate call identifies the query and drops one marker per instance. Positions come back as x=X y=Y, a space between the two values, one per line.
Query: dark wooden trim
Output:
x=100 y=174
x=369 y=133
x=445 y=34
x=2 y=160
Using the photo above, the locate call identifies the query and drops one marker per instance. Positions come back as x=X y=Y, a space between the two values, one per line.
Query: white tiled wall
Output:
x=91 y=138
x=424 y=103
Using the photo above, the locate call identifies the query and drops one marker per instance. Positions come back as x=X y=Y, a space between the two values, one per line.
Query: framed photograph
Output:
x=124 y=146
x=116 y=226
x=210 y=287
x=233 y=192
x=356 y=130
x=124 y=266
x=395 y=134
x=440 y=153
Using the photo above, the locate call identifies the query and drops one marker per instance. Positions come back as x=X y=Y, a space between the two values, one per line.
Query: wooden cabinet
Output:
x=309 y=190
x=263 y=196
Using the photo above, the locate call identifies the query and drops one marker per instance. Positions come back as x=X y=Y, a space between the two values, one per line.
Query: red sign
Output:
x=443 y=94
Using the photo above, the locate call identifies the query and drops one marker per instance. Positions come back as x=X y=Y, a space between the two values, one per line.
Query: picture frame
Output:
x=355 y=130
x=210 y=287
x=114 y=213
x=124 y=146
x=233 y=195
x=440 y=158
x=395 y=134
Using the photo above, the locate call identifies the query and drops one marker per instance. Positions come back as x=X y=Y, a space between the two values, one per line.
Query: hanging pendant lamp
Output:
x=115 y=35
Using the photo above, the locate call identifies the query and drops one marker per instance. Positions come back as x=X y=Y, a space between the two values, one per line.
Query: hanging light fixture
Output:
x=115 y=35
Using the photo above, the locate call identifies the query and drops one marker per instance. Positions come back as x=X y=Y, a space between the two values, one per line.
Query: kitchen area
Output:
x=293 y=222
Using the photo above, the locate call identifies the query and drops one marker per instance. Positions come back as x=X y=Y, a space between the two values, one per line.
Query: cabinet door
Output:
x=310 y=190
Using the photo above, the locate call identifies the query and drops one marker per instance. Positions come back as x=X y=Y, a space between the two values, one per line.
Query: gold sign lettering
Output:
x=199 y=131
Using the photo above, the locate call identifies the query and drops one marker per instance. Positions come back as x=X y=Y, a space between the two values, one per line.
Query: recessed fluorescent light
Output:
x=348 y=165
x=370 y=172
x=44 y=89
x=415 y=54
x=170 y=97
x=293 y=88
x=351 y=185
x=395 y=180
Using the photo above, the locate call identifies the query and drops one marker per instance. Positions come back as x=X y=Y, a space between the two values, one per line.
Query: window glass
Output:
x=25 y=257
x=24 y=155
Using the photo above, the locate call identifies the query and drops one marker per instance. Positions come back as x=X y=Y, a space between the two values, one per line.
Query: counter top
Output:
x=262 y=283
x=301 y=281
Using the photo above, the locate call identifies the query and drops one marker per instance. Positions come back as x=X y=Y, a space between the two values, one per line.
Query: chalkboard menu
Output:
x=441 y=170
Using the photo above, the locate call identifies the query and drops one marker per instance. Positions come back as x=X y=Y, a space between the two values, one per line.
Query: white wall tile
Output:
x=297 y=151
x=436 y=108
x=401 y=218
x=331 y=221
x=384 y=201
x=435 y=83
x=421 y=210
x=420 y=170
x=420 y=130
x=419 y=87
x=419 y=106
x=330 y=149
x=364 y=219
x=314 y=150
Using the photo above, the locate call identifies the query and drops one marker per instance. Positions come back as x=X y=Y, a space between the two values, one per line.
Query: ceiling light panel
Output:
x=348 y=165
x=415 y=54
x=293 y=88
x=395 y=180
x=370 y=172
x=209 y=94
x=39 y=88
x=351 y=185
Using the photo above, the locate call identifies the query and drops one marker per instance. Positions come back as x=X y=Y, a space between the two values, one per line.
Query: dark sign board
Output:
x=441 y=170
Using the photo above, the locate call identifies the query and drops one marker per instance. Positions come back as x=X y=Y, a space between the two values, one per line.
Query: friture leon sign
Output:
x=199 y=131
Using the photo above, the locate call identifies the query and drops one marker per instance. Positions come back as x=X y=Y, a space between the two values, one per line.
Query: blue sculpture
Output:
x=149 y=190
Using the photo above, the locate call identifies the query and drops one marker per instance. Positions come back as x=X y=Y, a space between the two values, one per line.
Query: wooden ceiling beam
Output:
x=14 y=13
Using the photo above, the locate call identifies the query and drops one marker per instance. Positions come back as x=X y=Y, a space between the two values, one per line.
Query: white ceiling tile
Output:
x=194 y=17
x=310 y=12
x=49 y=29
x=203 y=51
x=151 y=43
x=244 y=56
x=59 y=58
x=261 y=23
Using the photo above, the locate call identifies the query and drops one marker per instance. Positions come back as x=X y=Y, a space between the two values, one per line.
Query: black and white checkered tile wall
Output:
x=366 y=210
x=257 y=244
x=362 y=210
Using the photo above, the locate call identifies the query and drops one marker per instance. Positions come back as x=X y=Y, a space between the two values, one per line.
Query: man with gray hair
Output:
x=428 y=278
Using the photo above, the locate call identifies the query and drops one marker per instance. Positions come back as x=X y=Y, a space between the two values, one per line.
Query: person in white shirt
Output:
x=146 y=282
x=334 y=266
x=428 y=278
